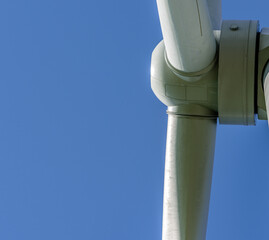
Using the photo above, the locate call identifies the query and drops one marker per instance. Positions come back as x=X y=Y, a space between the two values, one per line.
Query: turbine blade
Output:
x=188 y=175
x=188 y=33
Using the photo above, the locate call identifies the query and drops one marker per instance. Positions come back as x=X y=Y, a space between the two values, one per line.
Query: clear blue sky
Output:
x=82 y=137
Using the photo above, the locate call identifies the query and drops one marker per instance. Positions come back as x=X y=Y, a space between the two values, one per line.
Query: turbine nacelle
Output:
x=231 y=87
x=202 y=75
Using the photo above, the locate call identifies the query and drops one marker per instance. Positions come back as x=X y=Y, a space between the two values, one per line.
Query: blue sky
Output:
x=83 y=137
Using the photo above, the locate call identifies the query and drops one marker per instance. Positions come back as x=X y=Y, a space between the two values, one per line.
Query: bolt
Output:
x=234 y=27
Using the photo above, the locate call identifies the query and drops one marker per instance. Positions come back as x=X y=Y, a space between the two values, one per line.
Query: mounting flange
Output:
x=236 y=76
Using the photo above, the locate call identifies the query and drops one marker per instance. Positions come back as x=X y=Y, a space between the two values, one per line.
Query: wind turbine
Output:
x=204 y=69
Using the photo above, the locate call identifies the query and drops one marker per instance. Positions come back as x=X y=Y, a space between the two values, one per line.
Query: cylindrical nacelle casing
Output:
x=236 y=75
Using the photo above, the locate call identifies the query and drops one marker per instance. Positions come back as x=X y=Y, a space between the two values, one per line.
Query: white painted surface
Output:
x=188 y=174
x=188 y=33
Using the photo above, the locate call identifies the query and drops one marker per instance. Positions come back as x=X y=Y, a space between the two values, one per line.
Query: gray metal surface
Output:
x=236 y=76
x=188 y=175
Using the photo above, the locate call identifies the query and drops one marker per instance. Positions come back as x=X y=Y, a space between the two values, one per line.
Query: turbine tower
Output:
x=203 y=70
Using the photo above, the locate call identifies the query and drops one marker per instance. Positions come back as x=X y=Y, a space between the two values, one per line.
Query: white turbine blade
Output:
x=214 y=7
x=188 y=175
x=188 y=33
x=266 y=88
